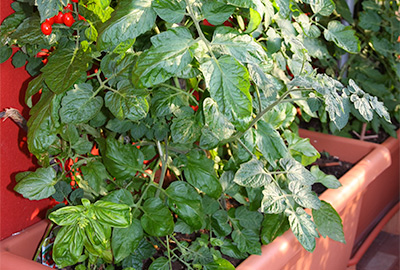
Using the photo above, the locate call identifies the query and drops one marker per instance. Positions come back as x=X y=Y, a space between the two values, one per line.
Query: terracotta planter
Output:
x=17 y=251
x=381 y=195
x=285 y=252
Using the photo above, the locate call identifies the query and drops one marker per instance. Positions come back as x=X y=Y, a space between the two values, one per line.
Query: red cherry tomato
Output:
x=205 y=22
x=69 y=7
x=228 y=23
x=80 y=17
x=50 y=20
x=68 y=19
x=59 y=17
x=75 y=1
x=46 y=28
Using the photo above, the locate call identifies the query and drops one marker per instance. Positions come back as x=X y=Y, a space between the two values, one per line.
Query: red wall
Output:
x=16 y=212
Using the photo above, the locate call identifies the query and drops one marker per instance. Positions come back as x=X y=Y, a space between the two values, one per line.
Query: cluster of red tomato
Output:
x=61 y=18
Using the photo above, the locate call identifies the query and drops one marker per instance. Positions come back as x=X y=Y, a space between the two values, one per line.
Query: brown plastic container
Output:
x=382 y=194
x=285 y=252
x=17 y=251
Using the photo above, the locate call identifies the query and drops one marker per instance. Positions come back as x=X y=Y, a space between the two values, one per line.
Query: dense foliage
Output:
x=156 y=120
x=376 y=68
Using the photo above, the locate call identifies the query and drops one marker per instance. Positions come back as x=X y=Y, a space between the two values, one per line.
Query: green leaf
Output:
x=79 y=105
x=322 y=7
x=270 y=143
x=112 y=214
x=219 y=264
x=19 y=59
x=135 y=260
x=228 y=83
x=274 y=201
x=96 y=175
x=199 y=172
x=166 y=101
x=49 y=8
x=249 y=219
x=255 y=20
x=101 y=9
x=219 y=223
x=303 y=195
x=122 y=160
x=169 y=55
x=252 y=174
x=329 y=222
x=64 y=68
x=120 y=196
x=125 y=240
x=328 y=181
x=217 y=12
x=5 y=53
x=343 y=36
x=297 y=172
x=160 y=263
x=63 y=189
x=301 y=148
x=370 y=20
x=273 y=226
x=303 y=228
x=242 y=47
x=267 y=83
x=28 y=32
x=68 y=245
x=129 y=20
x=69 y=215
x=216 y=125
x=247 y=240
x=184 y=200
x=242 y=3
x=382 y=46
x=366 y=104
x=343 y=9
x=185 y=129
x=157 y=219
x=120 y=69
x=230 y=249
x=171 y=11
x=284 y=7
x=38 y=185
x=126 y=103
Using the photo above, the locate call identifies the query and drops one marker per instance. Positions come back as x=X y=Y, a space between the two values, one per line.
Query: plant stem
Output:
x=245 y=148
x=260 y=115
x=164 y=164
x=198 y=28
x=169 y=252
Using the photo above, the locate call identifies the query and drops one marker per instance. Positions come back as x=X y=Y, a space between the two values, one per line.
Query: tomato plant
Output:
x=175 y=127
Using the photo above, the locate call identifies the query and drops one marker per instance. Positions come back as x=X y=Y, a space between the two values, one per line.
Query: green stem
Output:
x=259 y=98
x=180 y=91
x=141 y=199
x=169 y=252
x=260 y=115
x=198 y=28
x=247 y=149
x=164 y=164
